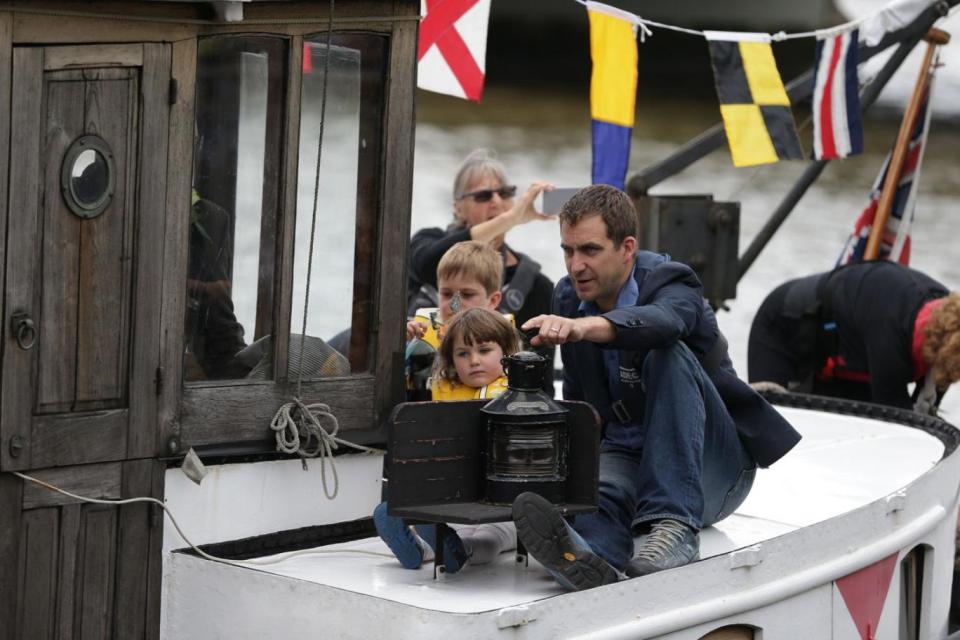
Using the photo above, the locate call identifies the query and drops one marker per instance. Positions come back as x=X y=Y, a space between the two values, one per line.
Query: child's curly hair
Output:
x=472 y=326
x=941 y=345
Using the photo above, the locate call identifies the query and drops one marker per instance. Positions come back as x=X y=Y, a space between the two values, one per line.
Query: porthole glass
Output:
x=87 y=176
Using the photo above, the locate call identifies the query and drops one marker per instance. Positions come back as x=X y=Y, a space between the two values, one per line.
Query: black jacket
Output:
x=875 y=306
x=670 y=307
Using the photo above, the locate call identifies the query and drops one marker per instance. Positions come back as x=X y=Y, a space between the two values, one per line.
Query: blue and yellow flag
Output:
x=613 y=90
x=753 y=102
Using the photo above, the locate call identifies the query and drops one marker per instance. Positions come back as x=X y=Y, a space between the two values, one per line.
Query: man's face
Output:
x=597 y=267
x=472 y=294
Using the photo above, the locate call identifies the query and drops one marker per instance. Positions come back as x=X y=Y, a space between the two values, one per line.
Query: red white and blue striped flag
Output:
x=837 y=128
x=895 y=244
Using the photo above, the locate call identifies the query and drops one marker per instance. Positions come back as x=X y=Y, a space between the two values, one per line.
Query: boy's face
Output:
x=472 y=294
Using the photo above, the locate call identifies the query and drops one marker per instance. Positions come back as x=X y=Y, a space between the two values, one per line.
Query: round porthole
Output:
x=87 y=176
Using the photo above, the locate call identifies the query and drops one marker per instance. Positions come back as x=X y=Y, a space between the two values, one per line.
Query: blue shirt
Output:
x=622 y=377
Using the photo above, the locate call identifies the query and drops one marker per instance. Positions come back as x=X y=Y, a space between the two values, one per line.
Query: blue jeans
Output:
x=692 y=466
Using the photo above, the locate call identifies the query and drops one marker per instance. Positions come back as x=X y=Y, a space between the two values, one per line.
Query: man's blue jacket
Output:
x=669 y=307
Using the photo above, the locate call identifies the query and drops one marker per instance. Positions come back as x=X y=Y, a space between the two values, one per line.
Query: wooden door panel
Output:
x=106 y=247
x=38 y=574
x=57 y=318
x=82 y=570
x=96 y=556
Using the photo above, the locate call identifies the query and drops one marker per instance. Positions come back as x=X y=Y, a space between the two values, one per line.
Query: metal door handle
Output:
x=23 y=329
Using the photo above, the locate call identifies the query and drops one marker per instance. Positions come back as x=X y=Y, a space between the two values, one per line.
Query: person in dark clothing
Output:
x=682 y=435
x=863 y=331
x=213 y=334
x=484 y=210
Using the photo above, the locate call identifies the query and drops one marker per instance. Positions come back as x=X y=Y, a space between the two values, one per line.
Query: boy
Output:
x=469 y=275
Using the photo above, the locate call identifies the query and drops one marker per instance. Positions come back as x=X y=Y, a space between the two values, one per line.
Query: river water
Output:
x=546 y=135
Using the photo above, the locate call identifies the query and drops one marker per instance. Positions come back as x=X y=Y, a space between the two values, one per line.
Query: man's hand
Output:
x=556 y=330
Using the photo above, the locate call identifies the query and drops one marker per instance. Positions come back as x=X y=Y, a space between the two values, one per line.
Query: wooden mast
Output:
x=934 y=38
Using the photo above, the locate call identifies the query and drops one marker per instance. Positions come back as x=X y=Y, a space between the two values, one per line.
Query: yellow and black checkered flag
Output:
x=754 y=105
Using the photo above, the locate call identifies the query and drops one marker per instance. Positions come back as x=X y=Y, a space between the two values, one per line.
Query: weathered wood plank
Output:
x=40 y=27
x=97 y=55
x=39 y=562
x=57 y=318
x=394 y=228
x=133 y=555
x=288 y=211
x=176 y=238
x=6 y=65
x=22 y=250
x=69 y=538
x=93 y=481
x=154 y=552
x=11 y=488
x=96 y=564
x=63 y=439
x=242 y=413
x=152 y=190
x=103 y=319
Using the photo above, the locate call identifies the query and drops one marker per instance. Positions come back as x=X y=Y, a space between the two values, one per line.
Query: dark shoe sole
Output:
x=544 y=533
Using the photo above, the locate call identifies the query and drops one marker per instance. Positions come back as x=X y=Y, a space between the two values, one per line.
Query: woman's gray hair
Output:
x=480 y=162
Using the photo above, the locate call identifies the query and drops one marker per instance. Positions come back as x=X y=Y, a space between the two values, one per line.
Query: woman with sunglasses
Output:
x=485 y=209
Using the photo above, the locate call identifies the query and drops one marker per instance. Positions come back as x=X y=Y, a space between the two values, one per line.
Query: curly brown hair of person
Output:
x=941 y=345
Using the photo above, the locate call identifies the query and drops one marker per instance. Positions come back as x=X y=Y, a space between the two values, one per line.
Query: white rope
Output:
x=779 y=36
x=298 y=429
x=238 y=563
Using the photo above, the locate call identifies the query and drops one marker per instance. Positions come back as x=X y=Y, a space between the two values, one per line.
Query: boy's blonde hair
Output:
x=475 y=261
x=941 y=344
x=475 y=325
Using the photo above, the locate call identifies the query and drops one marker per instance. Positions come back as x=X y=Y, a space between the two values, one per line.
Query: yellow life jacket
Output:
x=449 y=391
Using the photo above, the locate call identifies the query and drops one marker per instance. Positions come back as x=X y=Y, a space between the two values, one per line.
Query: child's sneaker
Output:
x=455 y=553
x=398 y=536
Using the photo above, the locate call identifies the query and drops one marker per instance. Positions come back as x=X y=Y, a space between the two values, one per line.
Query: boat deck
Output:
x=843 y=463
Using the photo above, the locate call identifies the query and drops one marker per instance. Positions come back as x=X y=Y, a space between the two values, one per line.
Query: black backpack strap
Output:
x=515 y=292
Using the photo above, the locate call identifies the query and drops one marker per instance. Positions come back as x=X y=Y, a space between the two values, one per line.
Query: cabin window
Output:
x=234 y=210
x=345 y=194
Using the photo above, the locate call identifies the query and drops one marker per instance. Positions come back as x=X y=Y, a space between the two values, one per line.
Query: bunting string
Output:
x=644 y=25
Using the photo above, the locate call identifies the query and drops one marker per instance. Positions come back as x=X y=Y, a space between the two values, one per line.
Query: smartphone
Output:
x=554 y=200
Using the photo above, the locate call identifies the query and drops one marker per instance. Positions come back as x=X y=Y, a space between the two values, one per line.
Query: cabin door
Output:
x=81 y=327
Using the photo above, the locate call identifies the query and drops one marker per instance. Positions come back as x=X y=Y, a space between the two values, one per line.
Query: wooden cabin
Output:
x=159 y=184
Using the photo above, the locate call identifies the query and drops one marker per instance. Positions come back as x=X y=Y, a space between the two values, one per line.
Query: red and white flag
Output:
x=837 y=128
x=452 y=51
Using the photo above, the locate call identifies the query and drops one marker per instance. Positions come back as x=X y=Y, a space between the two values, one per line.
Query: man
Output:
x=682 y=434
x=863 y=331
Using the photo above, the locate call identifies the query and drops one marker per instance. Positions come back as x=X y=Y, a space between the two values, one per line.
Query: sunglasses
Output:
x=486 y=195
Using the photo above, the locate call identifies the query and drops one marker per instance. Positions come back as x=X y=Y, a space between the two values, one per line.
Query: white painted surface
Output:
x=793 y=545
x=242 y=500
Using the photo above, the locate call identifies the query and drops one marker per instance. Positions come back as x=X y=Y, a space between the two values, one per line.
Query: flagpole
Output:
x=934 y=38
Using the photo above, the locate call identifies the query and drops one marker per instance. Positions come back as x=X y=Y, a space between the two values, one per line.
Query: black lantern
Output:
x=526 y=435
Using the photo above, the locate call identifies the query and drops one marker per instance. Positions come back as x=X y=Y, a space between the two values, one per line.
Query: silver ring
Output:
x=555 y=330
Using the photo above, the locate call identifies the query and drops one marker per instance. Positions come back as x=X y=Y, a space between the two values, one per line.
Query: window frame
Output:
x=226 y=413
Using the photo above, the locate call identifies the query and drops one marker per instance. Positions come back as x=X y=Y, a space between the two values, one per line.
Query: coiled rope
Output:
x=297 y=426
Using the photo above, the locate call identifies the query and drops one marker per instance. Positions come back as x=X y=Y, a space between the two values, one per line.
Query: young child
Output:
x=468 y=367
x=469 y=275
